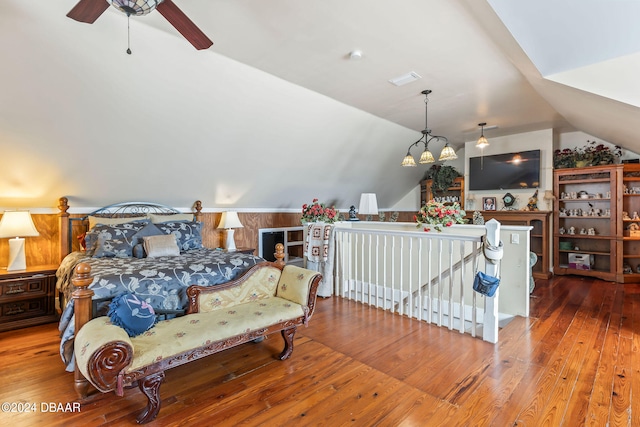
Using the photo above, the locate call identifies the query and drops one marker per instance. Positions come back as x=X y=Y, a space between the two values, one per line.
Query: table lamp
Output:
x=368 y=205
x=15 y=224
x=229 y=221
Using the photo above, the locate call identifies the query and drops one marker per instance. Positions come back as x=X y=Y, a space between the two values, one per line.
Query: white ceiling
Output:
x=69 y=87
x=452 y=45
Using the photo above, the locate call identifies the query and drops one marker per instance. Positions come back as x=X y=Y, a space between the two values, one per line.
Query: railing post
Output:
x=490 y=327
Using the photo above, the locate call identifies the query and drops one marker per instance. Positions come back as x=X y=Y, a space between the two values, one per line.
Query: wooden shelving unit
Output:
x=629 y=247
x=456 y=190
x=600 y=210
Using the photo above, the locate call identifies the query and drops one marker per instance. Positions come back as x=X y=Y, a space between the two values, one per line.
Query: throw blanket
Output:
x=317 y=243
x=319 y=254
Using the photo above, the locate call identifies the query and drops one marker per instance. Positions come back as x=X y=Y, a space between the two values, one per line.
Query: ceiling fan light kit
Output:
x=448 y=153
x=88 y=11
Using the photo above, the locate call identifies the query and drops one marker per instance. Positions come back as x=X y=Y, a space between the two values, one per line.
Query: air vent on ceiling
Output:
x=411 y=76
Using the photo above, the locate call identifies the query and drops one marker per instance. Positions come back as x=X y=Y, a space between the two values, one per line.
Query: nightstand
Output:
x=27 y=297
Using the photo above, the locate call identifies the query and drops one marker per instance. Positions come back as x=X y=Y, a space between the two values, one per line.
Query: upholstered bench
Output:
x=268 y=298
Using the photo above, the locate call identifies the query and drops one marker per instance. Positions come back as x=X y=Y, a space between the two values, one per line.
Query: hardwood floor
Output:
x=574 y=362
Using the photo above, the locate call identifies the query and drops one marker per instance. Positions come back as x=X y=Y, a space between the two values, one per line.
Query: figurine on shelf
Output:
x=635 y=216
x=533 y=202
x=561 y=230
x=478 y=219
x=626 y=269
x=352 y=214
x=572 y=230
x=633 y=227
x=591 y=232
x=625 y=216
x=583 y=231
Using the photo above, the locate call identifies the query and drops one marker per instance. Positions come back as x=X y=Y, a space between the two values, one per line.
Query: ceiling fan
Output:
x=89 y=10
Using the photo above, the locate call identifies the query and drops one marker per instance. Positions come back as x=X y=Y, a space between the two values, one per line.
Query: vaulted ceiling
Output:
x=276 y=112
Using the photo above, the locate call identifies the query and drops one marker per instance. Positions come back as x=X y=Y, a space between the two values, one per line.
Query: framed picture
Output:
x=489 y=203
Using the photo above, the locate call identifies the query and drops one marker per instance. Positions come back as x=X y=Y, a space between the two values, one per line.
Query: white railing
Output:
x=427 y=276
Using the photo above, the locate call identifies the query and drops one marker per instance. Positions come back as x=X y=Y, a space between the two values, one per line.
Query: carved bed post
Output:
x=279 y=254
x=63 y=206
x=198 y=207
x=83 y=313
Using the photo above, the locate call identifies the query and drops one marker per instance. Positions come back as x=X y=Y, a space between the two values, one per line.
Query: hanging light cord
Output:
x=128 y=35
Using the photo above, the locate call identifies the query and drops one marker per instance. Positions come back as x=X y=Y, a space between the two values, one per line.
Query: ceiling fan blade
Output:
x=88 y=10
x=184 y=25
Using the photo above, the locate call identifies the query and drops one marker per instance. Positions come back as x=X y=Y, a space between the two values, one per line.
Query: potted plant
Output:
x=441 y=176
x=564 y=158
x=602 y=154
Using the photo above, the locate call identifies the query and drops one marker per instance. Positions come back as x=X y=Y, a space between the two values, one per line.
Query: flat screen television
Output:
x=504 y=171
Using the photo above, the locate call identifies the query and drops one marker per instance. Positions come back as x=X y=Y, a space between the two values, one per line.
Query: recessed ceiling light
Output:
x=411 y=76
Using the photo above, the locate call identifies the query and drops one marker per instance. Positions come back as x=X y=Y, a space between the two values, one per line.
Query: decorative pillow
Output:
x=131 y=314
x=148 y=230
x=95 y=220
x=188 y=234
x=157 y=246
x=158 y=218
x=113 y=240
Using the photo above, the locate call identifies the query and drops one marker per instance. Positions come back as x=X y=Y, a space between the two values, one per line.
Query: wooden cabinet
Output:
x=587 y=229
x=455 y=192
x=539 y=236
x=629 y=223
x=27 y=297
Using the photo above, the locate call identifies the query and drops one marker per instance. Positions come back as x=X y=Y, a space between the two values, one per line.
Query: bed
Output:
x=148 y=249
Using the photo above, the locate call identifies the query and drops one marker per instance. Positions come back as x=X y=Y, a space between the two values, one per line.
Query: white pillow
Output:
x=93 y=220
x=164 y=245
x=158 y=218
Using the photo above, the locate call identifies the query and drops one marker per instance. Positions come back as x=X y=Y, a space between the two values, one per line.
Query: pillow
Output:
x=95 y=220
x=131 y=314
x=113 y=240
x=157 y=246
x=148 y=230
x=188 y=234
x=158 y=218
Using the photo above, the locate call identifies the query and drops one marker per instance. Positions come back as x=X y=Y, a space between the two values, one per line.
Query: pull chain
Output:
x=128 y=35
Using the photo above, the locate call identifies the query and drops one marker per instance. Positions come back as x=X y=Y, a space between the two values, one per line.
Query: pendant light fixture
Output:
x=482 y=141
x=427 y=157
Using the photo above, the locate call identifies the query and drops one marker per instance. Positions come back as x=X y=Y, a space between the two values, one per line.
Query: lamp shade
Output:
x=368 y=204
x=17 y=224
x=447 y=153
x=230 y=220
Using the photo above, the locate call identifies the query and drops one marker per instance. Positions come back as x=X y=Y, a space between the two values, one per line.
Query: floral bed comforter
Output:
x=162 y=282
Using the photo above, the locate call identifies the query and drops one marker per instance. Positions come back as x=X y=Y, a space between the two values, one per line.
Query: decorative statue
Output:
x=478 y=219
x=533 y=202
x=352 y=214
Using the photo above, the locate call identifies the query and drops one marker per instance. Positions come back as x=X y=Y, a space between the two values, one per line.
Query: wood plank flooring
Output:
x=574 y=362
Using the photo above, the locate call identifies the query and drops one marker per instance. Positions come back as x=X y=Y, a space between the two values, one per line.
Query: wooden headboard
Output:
x=71 y=227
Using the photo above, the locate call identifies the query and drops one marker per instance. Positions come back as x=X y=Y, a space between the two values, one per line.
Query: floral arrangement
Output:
x=592 y=154
x=318 y=212
x=439 y=215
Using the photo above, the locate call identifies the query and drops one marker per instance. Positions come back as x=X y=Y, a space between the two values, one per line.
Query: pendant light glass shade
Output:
x=426 y=157
x=447 y=153
x=408 y=161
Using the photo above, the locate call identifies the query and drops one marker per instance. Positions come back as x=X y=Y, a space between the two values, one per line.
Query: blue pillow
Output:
x=131 y=314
